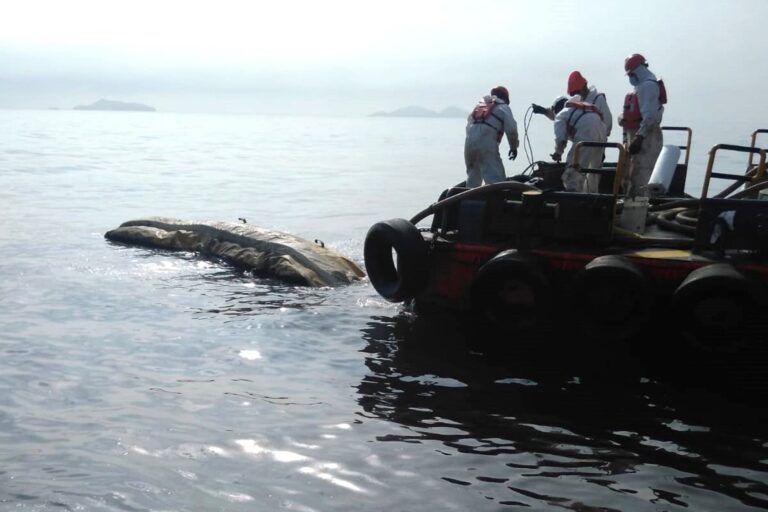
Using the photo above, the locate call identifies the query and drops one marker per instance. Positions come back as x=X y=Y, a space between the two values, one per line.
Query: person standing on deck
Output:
x=488 y=123
x=577 y=85
x=641 y=121
x=578 y=121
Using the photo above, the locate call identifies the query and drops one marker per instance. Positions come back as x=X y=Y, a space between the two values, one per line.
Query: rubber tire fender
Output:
x=406 y=279
x=510 y=292
x=717 y=302
x=612 y=298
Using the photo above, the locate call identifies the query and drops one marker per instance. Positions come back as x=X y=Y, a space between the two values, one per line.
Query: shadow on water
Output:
x=621 y=418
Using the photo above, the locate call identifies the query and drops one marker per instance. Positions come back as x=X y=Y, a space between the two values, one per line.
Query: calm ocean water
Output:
x=133 y=379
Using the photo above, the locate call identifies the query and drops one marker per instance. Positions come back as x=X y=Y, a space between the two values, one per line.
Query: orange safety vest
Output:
x=585 y=108
x=482 y=112
x=631 y=117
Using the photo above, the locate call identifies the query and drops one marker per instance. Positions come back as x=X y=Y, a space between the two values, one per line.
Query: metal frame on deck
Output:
x=759 y=174
x=687 y=146
x=754 y=139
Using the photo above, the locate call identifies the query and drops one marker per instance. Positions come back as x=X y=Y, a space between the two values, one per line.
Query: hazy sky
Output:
x=355 y=57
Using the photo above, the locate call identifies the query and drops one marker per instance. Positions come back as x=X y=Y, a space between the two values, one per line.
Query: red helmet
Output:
x=500 y=92
x=631 y=62
x=575 y=82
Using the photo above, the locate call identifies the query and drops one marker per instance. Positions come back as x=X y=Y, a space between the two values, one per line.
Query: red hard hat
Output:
x=575 y=82
x=500 y=92
x=631 y=62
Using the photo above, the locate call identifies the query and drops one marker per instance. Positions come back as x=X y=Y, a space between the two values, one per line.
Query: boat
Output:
x=523 y=254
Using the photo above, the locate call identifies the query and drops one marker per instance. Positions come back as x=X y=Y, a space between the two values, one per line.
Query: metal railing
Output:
x=620 y=164
x=754 y=139
x=757 y=176
x=687 y=147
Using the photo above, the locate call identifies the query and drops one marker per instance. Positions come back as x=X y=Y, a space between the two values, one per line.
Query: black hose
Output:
x=681 y=215
x=688 y=217
x=472 y=192
x=529 y=167
x=677 y=203
x=667 y=220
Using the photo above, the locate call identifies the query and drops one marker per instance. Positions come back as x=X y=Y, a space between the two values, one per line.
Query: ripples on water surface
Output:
x=141 y=380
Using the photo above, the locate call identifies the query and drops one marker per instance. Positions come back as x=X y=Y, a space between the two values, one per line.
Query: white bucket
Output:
x=664 y=170
x=633 y=214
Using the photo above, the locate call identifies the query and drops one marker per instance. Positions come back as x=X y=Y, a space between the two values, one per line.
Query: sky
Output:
x=352 y=58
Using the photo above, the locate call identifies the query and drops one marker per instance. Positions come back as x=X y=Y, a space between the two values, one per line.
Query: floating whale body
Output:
x=264 y=252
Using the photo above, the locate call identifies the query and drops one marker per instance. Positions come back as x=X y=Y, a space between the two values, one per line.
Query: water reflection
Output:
x=243 y=293
x=330 y=472
x=571 y=427
x=233 y=291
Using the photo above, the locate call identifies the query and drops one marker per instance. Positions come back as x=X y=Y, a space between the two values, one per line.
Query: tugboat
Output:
x=523 y=253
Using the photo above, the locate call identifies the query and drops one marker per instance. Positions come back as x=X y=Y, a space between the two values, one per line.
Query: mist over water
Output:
x=136 y=379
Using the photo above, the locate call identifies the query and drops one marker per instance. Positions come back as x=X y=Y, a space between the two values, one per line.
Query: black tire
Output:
x=407 y=277
x=612 y=299
x=510 y=293
x=718 y=306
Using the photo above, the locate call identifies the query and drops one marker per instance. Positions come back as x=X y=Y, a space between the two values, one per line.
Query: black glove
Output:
x=556 y=157
x=512 y=153
x=538 y=109
x=636 y=145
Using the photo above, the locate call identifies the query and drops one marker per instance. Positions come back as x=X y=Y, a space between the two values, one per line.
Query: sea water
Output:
x=136 y=379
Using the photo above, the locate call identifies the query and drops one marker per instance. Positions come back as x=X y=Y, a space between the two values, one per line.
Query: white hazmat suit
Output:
x=481 y=146
x=578 y=125
x=598 y=99
x=641 y=163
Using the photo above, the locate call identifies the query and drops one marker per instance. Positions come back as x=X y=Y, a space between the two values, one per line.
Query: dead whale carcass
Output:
x=263 y=251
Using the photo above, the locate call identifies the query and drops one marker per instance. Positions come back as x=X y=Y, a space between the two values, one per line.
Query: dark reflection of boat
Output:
x=613 y=421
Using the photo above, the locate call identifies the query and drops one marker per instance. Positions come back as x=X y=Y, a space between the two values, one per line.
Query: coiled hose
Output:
x=681 y=215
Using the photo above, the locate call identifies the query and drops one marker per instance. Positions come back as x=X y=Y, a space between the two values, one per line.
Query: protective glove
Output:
x=512 y=153
x=538 y=109
x=636 y=145
x=556 y=157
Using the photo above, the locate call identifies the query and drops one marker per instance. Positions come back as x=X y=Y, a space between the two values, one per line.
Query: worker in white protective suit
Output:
x=641 y=122
x=488 y=123
x=578 y=86
x=578 y=121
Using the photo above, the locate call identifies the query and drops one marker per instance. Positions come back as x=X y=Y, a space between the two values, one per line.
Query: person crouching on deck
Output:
x=578 y=89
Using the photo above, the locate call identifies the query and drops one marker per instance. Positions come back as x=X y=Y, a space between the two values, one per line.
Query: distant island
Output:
x=116 y=105
x=414 y=111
